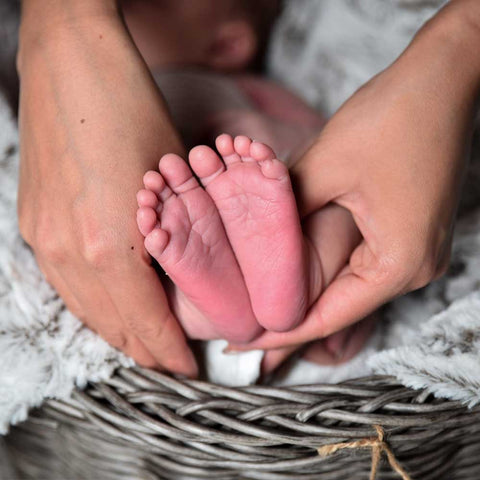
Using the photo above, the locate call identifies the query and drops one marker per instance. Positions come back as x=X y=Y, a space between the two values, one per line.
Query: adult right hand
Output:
x=394 y=156
x=91 y=123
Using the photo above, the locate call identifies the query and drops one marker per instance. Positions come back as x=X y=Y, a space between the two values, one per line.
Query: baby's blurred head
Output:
x=224 y=35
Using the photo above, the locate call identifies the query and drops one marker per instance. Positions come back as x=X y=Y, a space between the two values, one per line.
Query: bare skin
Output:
x=69 y=206
x=441 y=66
x=185 y=234
x=246 y=214
x=416 y=165
x=240 y=193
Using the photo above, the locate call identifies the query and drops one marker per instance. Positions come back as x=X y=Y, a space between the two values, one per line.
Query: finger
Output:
x=317 y=180
x=348 y=299
x=140 y=300
x=136 y=349
x=341 y=346
x=99 y=313
x=103 y=325
x=336 y=343
x=337 y=236
x=317 y=352
x=361 y=332
x=56 y=280
x=274 y=358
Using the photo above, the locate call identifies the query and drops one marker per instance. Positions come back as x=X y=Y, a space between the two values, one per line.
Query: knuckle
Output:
x=425 y=272
x=398 y=269
x=395 y=270
x=47 y=244
x=115 y=339
x=52 y=252
x=95 y=249
x=144 y=329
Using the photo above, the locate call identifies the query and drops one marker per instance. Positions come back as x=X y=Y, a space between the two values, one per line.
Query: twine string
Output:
x=378 y=446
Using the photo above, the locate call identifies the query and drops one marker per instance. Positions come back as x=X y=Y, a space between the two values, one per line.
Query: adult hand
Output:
x=91 y=123
x=394 y=156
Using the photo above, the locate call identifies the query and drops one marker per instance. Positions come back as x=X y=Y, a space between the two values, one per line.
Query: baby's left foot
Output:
x=252 y=192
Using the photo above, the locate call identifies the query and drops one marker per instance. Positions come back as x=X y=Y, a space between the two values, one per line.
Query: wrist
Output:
x=466 y=15
x=447 y=49
x=46 y=11
x=42 y=22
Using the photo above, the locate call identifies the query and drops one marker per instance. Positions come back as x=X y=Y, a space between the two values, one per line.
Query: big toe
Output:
x=206 y=164
x=177 y=173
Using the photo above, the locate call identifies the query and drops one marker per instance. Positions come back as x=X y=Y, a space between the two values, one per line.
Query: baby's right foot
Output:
x=184 y=233
x=254 y=197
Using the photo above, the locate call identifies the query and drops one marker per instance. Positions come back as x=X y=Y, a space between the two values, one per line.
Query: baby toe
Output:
x=146 y=220
x=275 y=169
x=226 y=149
x=261 y=152
x=242 y=147
x=147 y=198
x=153 y=181
x=156 y=242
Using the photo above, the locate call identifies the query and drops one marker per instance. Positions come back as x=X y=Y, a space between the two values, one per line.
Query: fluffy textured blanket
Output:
x=324 y=50
x=44 y=350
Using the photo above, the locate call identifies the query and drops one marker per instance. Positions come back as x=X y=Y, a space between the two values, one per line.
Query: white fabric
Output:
x=44 y=350
x=324 y=50
x=231 y=370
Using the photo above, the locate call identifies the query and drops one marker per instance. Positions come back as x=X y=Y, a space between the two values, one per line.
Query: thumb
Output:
x=355 y=293
x=364 y=285
x=319 y=177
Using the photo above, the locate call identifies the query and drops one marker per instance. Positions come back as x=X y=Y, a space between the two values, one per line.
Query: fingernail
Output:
x=189 y=366
x=340 y=344
x=228 y=350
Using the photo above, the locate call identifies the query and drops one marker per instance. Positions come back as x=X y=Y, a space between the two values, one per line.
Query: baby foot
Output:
x=184 y=233
x=254 y=197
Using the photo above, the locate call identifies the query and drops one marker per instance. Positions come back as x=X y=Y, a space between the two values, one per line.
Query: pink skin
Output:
x=184 y=233
x=251 y=191
x=192 y=300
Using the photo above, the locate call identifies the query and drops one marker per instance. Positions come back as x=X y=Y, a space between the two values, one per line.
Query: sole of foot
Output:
x=184 y=233
x=252 y=191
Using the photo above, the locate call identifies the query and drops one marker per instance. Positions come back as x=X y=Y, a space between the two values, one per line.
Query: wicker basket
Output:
x=145 y=425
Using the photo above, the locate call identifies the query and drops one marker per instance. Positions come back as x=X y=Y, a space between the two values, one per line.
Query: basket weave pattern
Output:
x=142 y=424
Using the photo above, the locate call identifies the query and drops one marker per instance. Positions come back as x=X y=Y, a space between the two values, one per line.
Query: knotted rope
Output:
x=378 y=446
